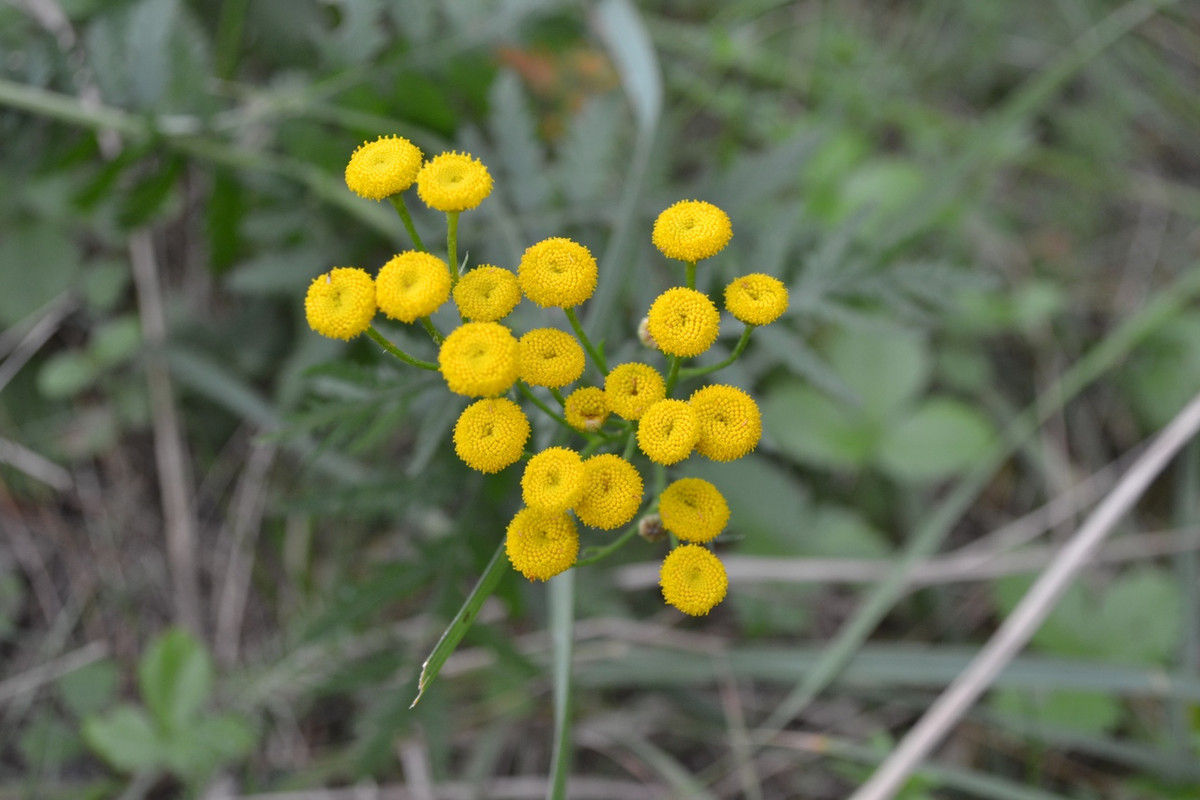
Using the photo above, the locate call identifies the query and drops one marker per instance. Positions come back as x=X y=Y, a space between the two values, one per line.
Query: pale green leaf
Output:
x=938 y=439
x=175 y=676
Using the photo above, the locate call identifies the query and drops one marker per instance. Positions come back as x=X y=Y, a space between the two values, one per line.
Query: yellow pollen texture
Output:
x=490 y=434
x=487 y=293
x=693 y=580
x=756 y=299
x=550 y=357
x=693 y=509
x=630 y=389
x=553 y=480
x=384 y=167
x=412 y=285
x=557 y=272
x=479 y=359
x=730 y=424
x=586 y=409
x=691 y=230
x=683 y=322
x=341 y=303
x=612 y=492
x=453 y=182
x=541 y=544
x=668 y=431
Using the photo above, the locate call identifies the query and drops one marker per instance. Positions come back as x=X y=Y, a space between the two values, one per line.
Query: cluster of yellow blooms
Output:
x=483 y=359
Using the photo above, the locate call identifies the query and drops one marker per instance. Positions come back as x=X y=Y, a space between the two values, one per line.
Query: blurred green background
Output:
x=228 y=544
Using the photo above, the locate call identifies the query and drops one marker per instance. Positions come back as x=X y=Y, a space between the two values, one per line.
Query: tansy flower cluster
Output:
x=616 y=424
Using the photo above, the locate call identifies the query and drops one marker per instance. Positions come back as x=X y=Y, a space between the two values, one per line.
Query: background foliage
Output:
x=974 y=205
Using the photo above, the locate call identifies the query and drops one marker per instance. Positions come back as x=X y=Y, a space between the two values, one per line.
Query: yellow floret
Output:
x=453 y=182
x=756 y=299
x=630 y=389
x=693 y=579
x=487 y=293
x=550 y=357
x=668 y=431
x=541 y=544
x=612 y=492
x=412 y=285
x=683 y=322
x=557 y=272
x=341 y=303
x=384 y=167
x=693 y=509
x=490 y=434
x=730 y=425
x=691 y=230
x=553 y=480
x=586 y=409
x=479 y=359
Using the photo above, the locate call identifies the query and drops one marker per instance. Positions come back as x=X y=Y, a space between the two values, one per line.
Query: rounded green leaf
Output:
x=175 y=676
x=886 y=369
x=813 y=429
x=940 y=438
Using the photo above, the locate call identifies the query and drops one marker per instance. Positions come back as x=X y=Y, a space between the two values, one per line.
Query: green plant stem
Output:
x=398 y=353
x=630 y=439
x=562 y=637
x=673 y=374
x=402 y=209
x=597 y=357
x=562 y=401
x=593 y=555
x=533 y=398
x=434 y=333
x=452 y=245
x=691 y=274
x=692 y=372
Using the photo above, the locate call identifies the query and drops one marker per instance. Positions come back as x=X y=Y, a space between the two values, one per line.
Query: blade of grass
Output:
x=1187 y=571
x=562 y=636
x=496 y=569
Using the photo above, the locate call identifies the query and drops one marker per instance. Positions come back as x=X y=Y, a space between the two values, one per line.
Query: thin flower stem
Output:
x=630 y=439
x=693 y=372
x=593 y=555
x=398 y=353
x=533 y=398
x=452 y=245
x=434 y=333
x=691 y=274
x=587 y=343
x=673 y=374
x=402 y=209
x=558 y=396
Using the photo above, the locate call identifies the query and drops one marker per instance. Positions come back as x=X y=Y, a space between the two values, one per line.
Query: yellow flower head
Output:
x=730 y=425
x=693 y=579
x=553 y=480
x=487 y=293
x=691 y=230
x=612 y=492
x=384 y=167
x=557 y=272
x=490 y=434
x=683 y=322
x=756 y=299
x=412 y=285
x=541 y=544
x=630 y=389
x=479 y=359
x=693 y=509
x=668 y=431
x=453 y=182
x=341 y=303
x=550 y=357
x=586 y=409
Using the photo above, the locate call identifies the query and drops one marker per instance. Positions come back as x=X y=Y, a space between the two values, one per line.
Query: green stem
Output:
x=402 y=209
x=533 y=398
x=434 y=333
x=597 y=357
x=599 y=554
x=692 y=372
x=452 y=244
x=691 y=274
x=562 y=401
x=398 y=353
x=630 y=439
x=562 y=637
x=673 y=374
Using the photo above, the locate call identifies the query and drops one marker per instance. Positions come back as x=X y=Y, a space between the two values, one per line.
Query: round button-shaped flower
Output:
x=384 y=167
x=479 y=359
x=490 y=434
x=541 y=544
x=453 y=182
x=550 y=357
x=683 y=322
x=412 y=285
x=630 y=389
x=612 y=492
x=668 y=431
x=693 y=580
x=553 y=480
x=693 y=509
x=691 y=230
x=756 y=299
x=730 y=423
x=586 y=409
x=341 y=303
x=487 y=293
x=557 y=273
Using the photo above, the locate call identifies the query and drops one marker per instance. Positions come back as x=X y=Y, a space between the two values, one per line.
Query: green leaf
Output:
x=175 y=676
x=208 y=743
x=125 y=738
x=103 y=283
x=836 y=532
x=1084 y=712
x=89 y=688
x=1165 y=373
x=940 y=438
x=46 y=261
x=522 y=161
x=1140 y=617
x=47 y=741
x=885 y=369
x=66 y=374
x=816 y=430
x=116 y=341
